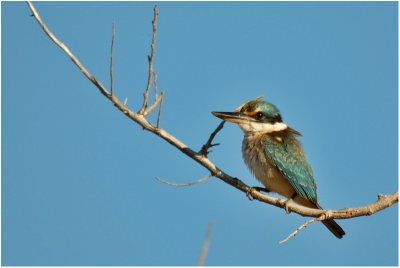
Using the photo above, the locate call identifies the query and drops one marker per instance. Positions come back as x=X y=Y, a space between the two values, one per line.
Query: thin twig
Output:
x=155 y=85
x=157 y=100
x=159 y=110
x=204 y=149
x=185 y=184
x=153 y=106
x=111 y=59
x=151 y=59
x=304 y=225
x=206 y=245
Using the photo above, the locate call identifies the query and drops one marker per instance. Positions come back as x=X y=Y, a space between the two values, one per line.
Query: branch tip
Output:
x=111 y=58
x=184 y=184
x=151 y=60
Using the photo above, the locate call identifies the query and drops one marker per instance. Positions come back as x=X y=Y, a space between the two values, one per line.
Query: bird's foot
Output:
x=286 y=204
x=256 y=188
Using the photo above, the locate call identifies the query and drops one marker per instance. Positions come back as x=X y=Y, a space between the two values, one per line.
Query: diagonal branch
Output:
x=383 y=201
x=67 y=51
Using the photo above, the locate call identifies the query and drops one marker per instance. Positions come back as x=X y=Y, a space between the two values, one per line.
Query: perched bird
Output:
x=273 y=153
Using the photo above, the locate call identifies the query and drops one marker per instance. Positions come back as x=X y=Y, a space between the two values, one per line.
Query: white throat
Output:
x=262 y=127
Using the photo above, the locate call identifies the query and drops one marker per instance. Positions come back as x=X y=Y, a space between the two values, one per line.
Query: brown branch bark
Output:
x=383 y=201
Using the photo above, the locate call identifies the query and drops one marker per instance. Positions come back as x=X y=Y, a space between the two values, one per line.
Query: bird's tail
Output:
x=330 y=224
x=333 y=227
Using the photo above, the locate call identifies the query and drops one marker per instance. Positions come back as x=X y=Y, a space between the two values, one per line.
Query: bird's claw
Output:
x=286 y=205
x=255 y=188
x=248 y=193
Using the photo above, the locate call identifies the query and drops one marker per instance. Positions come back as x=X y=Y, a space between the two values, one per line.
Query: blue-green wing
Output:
x=287 y=155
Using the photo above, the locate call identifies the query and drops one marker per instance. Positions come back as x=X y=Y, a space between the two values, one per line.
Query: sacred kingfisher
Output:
x=274 y=155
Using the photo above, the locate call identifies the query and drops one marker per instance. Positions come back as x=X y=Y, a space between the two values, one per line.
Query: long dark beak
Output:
x=235 y=117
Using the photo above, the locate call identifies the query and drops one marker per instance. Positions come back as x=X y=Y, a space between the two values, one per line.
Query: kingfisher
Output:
x=273 y=153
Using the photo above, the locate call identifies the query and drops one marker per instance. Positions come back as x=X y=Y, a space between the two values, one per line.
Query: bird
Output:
x=273 y=153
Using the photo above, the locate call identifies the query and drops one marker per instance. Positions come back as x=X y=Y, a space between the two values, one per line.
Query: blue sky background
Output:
x=78 y=183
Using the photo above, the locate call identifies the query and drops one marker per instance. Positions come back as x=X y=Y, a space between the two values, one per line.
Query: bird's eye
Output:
x=260 y=115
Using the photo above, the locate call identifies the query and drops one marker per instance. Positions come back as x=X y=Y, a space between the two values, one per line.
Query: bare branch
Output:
x=68 y=52
x=304 y=225
x=151 y=59
x=111 y=59
x=206 y=245
x=185 y=184
x=383 y=201
x=204 y=149
x=159 y=110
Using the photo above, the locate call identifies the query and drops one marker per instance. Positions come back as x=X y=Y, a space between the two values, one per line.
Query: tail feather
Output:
x=330 y=224
x=334 y=228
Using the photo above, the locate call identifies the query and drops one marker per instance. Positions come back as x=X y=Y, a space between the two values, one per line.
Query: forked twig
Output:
x=204 y=149
x=151 y=59
x=153 y=106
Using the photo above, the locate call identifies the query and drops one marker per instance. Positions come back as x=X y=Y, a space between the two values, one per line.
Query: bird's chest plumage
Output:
x=267 y=173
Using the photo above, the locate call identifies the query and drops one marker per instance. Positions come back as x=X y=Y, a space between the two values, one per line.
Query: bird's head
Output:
x=255 y=116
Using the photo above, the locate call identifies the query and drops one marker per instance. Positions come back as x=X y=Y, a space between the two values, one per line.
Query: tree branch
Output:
x=67 y=51
x=383 y=201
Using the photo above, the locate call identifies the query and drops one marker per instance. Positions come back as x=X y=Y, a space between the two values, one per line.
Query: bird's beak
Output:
x=234 y=117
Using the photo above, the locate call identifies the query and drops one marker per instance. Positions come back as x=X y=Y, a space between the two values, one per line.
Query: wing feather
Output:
x=288 y=156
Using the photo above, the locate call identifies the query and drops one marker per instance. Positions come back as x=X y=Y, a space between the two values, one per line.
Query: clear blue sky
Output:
x=78 y=183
